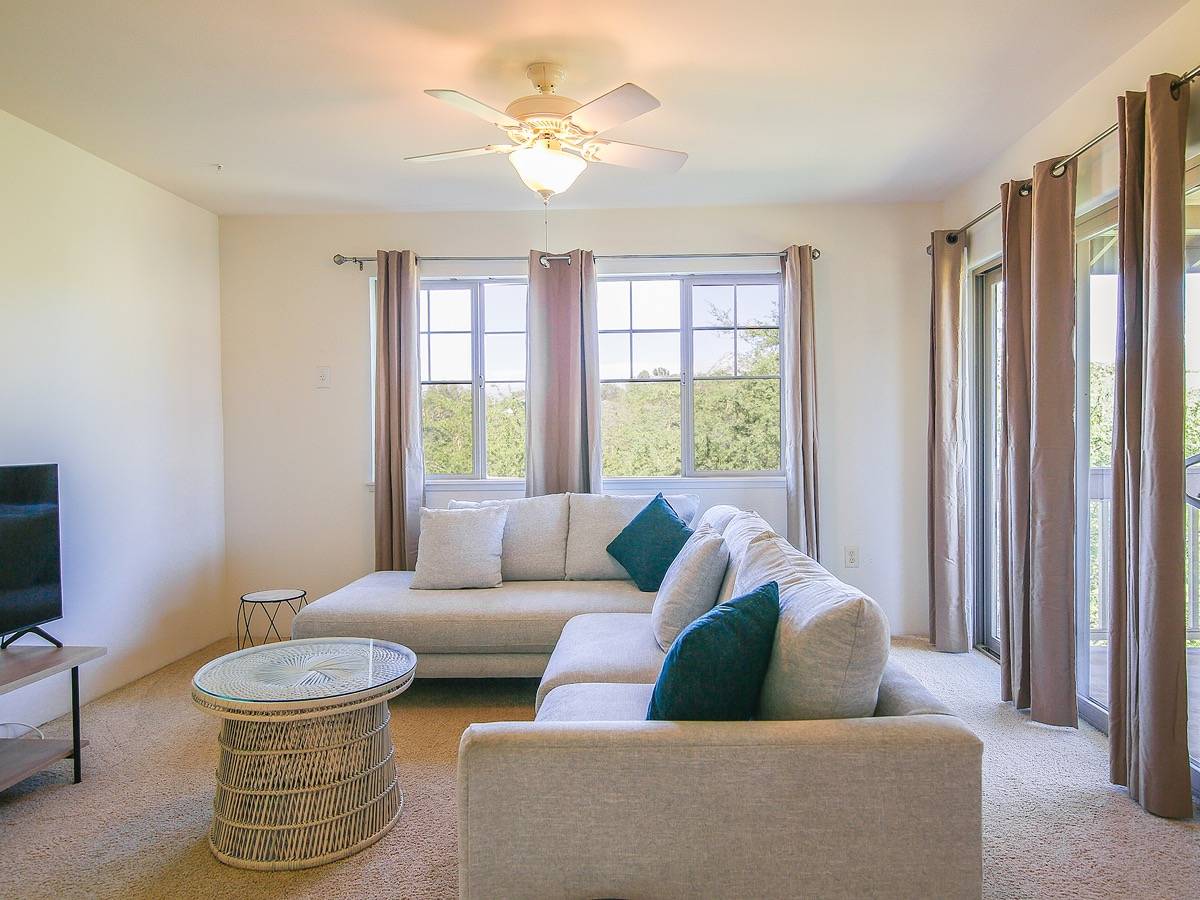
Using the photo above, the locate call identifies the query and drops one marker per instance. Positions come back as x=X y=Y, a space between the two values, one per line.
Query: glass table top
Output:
x=307 y=669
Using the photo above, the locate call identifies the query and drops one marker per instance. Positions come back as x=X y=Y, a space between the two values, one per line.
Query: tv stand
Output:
x=48 y=638
x=19 y=666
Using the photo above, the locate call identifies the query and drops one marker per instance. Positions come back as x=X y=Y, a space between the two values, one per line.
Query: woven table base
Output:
x=299 y=792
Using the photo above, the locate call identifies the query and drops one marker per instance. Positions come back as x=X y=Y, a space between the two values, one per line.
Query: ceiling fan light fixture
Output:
x=546 y=169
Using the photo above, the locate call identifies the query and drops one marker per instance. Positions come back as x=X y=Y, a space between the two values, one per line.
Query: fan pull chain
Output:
x=546 y=223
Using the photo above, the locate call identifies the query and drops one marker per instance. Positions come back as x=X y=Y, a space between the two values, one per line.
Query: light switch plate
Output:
x=324 y=377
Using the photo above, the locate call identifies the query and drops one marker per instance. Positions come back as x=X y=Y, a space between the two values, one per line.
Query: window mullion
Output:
x=478 y=409
x=688 y=435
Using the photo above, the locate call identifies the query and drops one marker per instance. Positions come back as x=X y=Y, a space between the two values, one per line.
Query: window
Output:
x=989 y=341
x=690 y=375
x=472 y=361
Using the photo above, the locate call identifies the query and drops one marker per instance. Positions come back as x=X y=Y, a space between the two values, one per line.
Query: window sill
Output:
x=671 y=482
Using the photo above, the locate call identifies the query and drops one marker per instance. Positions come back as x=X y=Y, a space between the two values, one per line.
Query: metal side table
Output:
x=269 y=601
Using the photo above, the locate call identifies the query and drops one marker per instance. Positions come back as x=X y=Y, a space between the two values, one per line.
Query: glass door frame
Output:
x=981 y=330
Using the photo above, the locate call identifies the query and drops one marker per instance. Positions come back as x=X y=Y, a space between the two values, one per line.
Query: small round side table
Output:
x=269 y=602
x=307 y=770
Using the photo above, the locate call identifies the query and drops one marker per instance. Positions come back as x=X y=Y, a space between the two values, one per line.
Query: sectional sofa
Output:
x=853 y=782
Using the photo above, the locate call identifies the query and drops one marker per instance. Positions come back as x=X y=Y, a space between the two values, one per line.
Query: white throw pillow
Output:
x=598 y=518
x=459 y=548
x=689 y=589
x=535 y=536
x=831 y=643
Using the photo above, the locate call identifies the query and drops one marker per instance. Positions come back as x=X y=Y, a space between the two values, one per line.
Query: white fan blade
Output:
x=476 y=108
x=619 y=105
x=459 y=154
x=635 y=156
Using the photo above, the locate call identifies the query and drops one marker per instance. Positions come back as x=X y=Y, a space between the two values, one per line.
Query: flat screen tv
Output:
x=30 y=571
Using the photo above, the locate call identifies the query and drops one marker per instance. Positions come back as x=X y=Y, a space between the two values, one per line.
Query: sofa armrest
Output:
x=853 y=807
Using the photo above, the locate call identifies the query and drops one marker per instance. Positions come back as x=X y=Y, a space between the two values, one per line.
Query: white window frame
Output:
x=478 y=375
x=687 y=378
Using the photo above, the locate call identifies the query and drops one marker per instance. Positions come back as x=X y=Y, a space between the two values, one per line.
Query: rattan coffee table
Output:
x=307 y=771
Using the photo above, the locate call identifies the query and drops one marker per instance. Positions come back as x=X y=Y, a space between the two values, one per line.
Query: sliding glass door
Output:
x=1096 y=294
x=989 y=343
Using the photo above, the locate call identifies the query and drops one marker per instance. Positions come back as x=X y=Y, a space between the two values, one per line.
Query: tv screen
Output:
x=30 y=573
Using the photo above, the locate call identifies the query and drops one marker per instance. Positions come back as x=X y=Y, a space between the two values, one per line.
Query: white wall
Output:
x=298 y=510
x=110 y=352
x=1172 y=47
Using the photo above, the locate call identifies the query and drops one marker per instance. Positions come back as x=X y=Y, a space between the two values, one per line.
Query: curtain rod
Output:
x=1061 y=165
x=547 y=258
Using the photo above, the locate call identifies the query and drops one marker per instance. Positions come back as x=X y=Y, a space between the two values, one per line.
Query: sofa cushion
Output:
x=535 y=536
x=603 y=647
x=648 y=545
x=596 y=519
x=740 y=531
x=690 y=587
x=831 y=645
x=517 y=617
x=714 y=671
x=717 y=517
x=459 y=548
x=592 y=702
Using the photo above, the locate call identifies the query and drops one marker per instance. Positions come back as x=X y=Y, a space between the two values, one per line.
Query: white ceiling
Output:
x=309 y=106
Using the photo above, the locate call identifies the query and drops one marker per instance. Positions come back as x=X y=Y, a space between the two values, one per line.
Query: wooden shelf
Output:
x=22 y=665
x=21 y=758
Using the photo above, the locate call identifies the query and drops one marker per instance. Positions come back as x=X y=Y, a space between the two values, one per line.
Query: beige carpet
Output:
x=1053 y=826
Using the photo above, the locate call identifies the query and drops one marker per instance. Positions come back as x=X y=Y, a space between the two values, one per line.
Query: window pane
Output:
x=450 y=309
x=614 y=355
x=505 y=419
x=655 y=304
x=449 y=357
x=613 y=304
x=423 y=353
x=758 y=304
x=712 y=304
x=640 y=429
x=656 y=355
x=736 y=425
x=712 y=352
x=423 y=312
x=758 y=351
x=504 y=307
x=446 y=429
x=504 y=357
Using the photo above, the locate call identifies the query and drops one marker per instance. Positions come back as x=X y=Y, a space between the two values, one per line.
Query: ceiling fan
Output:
x=554 y=137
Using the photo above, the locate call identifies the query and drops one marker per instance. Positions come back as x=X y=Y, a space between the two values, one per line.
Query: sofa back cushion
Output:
x=717 y=517
x=595 y=519
x=831 y=645
x=535 y=536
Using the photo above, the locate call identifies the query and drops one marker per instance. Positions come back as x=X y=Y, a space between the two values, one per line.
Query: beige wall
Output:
x=1172 y=47
x=298 y=510
x=109 y=345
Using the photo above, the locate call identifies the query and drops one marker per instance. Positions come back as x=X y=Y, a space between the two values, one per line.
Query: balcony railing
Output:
x=1100 y=534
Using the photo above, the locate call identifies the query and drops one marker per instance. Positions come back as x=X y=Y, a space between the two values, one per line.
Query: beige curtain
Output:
x=562 y=432
x=949 y=550
x=399 y=461
x=1148 y=747
x=799 y=399
x=1037 y=479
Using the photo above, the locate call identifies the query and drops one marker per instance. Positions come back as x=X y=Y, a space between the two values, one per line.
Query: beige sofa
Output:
x=592 y=800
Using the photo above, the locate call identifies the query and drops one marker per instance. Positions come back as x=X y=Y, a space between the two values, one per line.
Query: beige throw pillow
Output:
x=460 y=548
x=689 y=589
